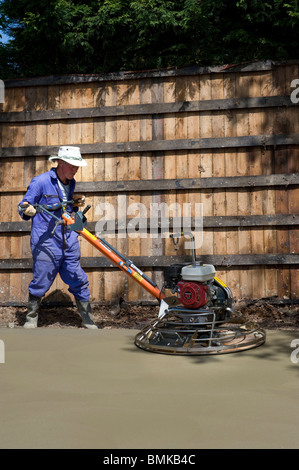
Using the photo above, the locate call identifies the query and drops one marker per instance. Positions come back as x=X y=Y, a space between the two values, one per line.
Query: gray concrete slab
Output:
x=68 y=388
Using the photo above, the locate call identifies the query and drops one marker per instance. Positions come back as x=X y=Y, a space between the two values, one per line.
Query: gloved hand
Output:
x=79 y=200
x=30 y=211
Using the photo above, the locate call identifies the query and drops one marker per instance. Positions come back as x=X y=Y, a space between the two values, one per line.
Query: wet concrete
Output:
x=68 y=388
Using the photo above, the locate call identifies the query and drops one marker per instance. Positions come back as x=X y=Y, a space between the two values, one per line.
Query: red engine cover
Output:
x=192 y=294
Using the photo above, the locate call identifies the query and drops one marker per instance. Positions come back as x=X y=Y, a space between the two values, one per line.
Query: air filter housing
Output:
x=198 y=272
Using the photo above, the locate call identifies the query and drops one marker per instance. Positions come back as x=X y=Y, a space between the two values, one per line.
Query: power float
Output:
x=197 y=319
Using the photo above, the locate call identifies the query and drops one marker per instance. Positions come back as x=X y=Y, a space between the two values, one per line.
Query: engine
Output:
x=197 y=319
x=197 y=287
x=192 y=294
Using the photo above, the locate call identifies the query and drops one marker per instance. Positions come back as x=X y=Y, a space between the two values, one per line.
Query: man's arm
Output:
x=31 y=197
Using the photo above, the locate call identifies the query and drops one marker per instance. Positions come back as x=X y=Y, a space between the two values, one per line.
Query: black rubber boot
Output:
x=84 y=309
x=32 y=311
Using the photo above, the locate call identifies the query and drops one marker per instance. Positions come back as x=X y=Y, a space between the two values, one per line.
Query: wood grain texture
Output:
x=224 y=138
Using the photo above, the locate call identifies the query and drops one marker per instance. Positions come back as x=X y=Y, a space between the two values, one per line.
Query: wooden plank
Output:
x=293 y=205
x=84 y=97
x=194 y=168
x=282 y=236
x=5 y=244
x=254 y=181
x=186 y=106
x=218 y=164
x=181 y=198
x=146 y=172
x=169 y=145
x=283 y=221
x=98 y=163
x=280 y=180
x=32 y=96
x=110 y=201
x=29 y=136
x=170 y=157
x=275 y=279
x=269 y=86
x=161 y=73
x=14 y=172
x=108 y=134
x=41 y=134
x=217 y=260
x=124 y=91
x=243 y=88
x=64 y=99
x=223 y=261
x=16 y=247
x=256 y=121
x=206 y=164
x=231 y=210
x=158 y=170
x=134 y=173
x=293 y=208
x=5 y=288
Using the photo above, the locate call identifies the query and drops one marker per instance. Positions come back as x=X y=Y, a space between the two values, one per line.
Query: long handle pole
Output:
x=122 y=264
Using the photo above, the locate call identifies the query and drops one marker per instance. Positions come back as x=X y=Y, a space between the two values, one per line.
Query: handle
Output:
x=58 y=222
x=86 y=209
x=175 y=240
x=53 y=207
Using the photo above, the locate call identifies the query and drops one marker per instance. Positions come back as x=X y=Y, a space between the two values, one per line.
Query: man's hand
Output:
x=28 y=209
x=79 y=200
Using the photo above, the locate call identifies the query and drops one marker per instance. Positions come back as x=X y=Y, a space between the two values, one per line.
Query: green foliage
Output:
x=76 y=36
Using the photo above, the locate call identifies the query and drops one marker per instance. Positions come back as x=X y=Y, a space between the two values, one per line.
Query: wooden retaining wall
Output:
x=226 y=137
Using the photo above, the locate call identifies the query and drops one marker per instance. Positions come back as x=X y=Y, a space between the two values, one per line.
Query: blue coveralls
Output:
x=55 y=254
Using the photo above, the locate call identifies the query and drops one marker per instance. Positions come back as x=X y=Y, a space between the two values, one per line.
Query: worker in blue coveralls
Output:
x=58 y=252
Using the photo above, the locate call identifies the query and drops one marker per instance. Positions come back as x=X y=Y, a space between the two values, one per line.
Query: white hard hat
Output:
x=71 y=155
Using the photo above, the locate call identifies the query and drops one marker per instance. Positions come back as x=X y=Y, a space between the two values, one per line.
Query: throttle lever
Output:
x=86 y=209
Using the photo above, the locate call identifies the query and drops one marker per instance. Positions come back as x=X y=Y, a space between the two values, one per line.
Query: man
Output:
x=58 y=252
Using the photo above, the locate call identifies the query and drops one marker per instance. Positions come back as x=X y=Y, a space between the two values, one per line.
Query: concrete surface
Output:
x=69 y=388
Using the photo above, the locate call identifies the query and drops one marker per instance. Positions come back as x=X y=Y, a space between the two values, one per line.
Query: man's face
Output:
x=66 y=171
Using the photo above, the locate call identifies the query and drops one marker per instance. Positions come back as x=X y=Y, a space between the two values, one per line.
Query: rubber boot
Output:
x=32 y=311
x=84 y=309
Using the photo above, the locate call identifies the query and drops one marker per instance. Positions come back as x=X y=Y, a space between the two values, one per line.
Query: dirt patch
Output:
x=129 y=316
x=268 y=316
